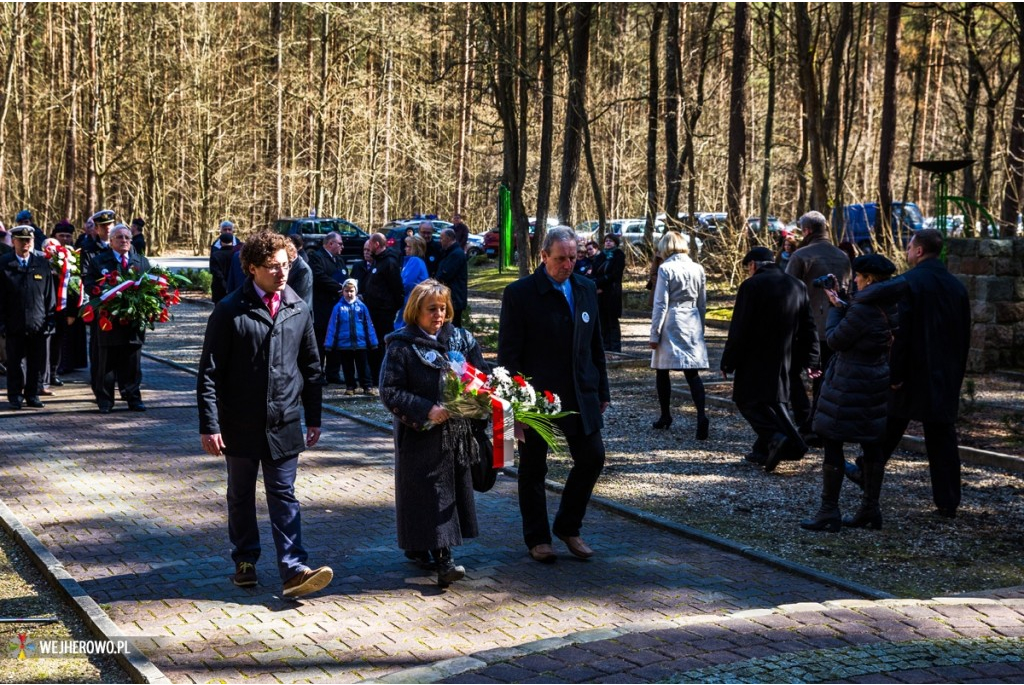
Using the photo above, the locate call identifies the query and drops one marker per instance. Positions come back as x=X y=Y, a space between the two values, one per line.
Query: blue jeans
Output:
x=285 y=519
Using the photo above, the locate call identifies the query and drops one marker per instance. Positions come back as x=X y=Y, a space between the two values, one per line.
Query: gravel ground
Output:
x=708 y=485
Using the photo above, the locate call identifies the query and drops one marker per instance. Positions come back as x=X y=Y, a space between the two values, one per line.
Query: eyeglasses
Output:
x=276 y=268
x=120 y=236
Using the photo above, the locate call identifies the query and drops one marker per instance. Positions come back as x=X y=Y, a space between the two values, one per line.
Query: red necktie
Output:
x=124 y=262
x=273 y=302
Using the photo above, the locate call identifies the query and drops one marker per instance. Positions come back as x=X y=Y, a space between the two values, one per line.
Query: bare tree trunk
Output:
x=321 y=124
x=769 y=119
x=464 y=107
x=70 y=154
x=672 y=70
x=691 y=120
x=971 y=102
x=547 y=125
x=654 y=43
x=278 y=149
x=578 y=49
x=92 y=190
x=812 y=109
x=526 y=247
x=737 y=117
x=888 y=129
x=1014 y=189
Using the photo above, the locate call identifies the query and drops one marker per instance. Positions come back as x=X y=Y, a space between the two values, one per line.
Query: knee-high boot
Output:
x=828 y=517
x=870 y=514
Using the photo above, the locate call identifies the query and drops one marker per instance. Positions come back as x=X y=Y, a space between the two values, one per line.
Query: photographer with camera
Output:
x=816 y=258
x=852 y=406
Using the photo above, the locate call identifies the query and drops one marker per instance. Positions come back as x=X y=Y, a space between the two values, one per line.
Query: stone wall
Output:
x=993 y=272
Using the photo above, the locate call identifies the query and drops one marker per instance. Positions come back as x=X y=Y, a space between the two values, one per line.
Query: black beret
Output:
x=139 y=222
x=873 y=263
x=759 y=254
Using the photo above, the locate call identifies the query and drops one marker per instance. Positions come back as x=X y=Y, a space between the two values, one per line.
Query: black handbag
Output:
x=483 y=471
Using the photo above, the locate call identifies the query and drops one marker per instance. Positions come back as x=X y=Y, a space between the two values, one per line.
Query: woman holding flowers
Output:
x=434 y=502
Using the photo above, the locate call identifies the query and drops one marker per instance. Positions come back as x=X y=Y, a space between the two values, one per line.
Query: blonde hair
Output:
x=418 y=245
x=427 y=290
x=672 y=243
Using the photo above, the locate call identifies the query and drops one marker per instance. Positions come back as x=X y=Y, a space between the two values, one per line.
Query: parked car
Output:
x=492 y=238
x=397 y=229
x=774 y=225
x=858 y=223
x=475 y=244
x=313 y=229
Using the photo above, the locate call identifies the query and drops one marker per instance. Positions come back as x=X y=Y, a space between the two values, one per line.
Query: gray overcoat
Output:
x=677 y=320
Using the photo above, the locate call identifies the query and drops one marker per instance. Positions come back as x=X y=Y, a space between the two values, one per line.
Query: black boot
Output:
x=447 y=571
x=870 y=514
x=663 y=386
x=828 y=517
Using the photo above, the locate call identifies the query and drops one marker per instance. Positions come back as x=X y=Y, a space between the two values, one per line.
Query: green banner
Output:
x=504 y=228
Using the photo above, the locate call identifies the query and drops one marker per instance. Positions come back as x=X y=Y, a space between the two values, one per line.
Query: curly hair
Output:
x=262 y=246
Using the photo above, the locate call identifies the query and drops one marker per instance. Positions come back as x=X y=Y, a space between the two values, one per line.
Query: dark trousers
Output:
x=285 y=518
x=329 y=361
x=940 y=442
x=120 y=363
x=834 y=455
x=457 y=318
x=587 y=453
x=26 y=380
x=355 y=364
x=611 y=333
x=767 y=419
x=383 y=323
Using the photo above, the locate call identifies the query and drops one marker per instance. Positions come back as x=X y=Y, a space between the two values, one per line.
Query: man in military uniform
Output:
x=117 y=352
x=26 y=316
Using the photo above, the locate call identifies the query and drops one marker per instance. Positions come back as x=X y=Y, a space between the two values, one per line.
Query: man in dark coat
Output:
x=816 y=257
x=383 y=294
x=259 y=364
x=329 y=272
x=461 y=231
x=117 y=352
x=300 y=277
x=138 y=238
x=26 y=317
x=453 y=271
x=928 y=362
x=607 y=270
x=549 y=331
x=771 y=329
x=220 y=260
x=433 y=255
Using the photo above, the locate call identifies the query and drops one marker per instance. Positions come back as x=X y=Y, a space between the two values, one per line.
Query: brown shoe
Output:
x=245 y=574
x=305 y=582
x=577 y=546
x=543 y=553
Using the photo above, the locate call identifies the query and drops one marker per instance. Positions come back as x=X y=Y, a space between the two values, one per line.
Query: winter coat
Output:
x=677 y=321
x=771 y=330
x=106 y=261
x=557 y=350
x=383 y=289
x=453 y=271
x=220 y=268
x=607 y=275
x=414 y=272
x=254 y=373
x=818 y=258
x=929 y=354
x=350 y=327
x=300 y=279
x=852 y=406
x=434 y=501
x=27 y=295
x=329 y=273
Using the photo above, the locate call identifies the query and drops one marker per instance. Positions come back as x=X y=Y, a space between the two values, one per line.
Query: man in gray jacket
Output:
x=816 y=257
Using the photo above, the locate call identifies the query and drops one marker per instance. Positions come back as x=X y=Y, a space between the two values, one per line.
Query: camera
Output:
x=826 y=282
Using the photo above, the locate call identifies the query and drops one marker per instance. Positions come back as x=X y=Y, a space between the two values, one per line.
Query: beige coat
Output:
x=677 y=320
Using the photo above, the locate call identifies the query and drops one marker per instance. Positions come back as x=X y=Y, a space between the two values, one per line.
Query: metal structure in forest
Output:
x=941 y=170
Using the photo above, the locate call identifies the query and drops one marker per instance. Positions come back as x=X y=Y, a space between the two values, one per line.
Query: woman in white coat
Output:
x=677 y=327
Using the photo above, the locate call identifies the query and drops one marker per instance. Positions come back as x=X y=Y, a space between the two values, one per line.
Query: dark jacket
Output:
x=454 y=273
x=350 y=327
x=929 y=354
x=383 y=288
x=329 y=273
x=106 y=261
x=220 y=268
x=771 y=330
x=27 y=297
x=139 y=244
x=254 y=373
x=300 y=279
x=854 y=396
x=539 y=339
x=434 y=501
x=607 y=275
x=818 y=258
x=433 y=256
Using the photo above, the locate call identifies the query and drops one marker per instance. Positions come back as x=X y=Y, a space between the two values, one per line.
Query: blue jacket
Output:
x=350 y=327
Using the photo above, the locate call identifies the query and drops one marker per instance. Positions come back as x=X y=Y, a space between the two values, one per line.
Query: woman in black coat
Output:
x=434 y=502
x=852 y=406
x=607 y=270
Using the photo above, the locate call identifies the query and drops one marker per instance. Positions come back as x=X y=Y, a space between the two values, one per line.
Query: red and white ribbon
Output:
x=503 y=430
